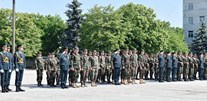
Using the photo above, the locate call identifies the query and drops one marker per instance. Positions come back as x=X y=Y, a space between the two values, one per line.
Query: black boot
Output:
x=21 y=89
x=17 y=88
x=7 y=87
x=3 y=90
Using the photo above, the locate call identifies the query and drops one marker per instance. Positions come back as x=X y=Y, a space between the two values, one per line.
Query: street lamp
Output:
x=13 y=27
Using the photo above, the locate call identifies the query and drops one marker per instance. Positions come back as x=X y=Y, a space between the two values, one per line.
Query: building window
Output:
x=190 y=6
x=202 y=18
x=190 y=34
x=190 y=20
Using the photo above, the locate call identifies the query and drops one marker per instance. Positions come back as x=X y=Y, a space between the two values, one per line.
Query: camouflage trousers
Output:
x=125 y=73
x=74 y=75
x=185 y=72
x=94 y=74
x=108 y=74
x=179 y=72
x=52 y=76
x=156 y=74
x=39 y=75
x=133 y=72
x=57 y=77
x=83 y=76
x=142 y=72
x=152 y=71
x=205 y=72
x=191 y=72
x=102 y=74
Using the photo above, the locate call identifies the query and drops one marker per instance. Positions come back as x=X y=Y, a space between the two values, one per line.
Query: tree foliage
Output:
x=131 y=26
x=199 y=44
x=36 y=32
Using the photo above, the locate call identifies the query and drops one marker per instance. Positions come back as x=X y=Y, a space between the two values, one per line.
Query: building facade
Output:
x=194 y=13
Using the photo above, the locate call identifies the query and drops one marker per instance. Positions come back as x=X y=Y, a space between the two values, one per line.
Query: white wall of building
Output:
x=193 y=11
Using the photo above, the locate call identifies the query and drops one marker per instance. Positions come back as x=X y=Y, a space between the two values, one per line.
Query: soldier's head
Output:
x=52 y=54
x=142 y=52
x=195 y=56
x=94 y=53
x=85 y=52
x=4 y=47
x=134 y=51
x=116 y=51
x=90 y=53
x=102 y=53
x=20 y=47
x=76 y=50
x=49 y=55
x=39 y=54
x=8 y=48
x=190 y=54
x=65 y=50
x=109 y=54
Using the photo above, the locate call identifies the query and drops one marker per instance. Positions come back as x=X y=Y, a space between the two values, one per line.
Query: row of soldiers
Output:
x=10 y=62
x=96 y=67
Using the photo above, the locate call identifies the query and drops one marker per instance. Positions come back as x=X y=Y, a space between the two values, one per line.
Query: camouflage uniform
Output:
x=151 y=66
x=180 y=67
x=141 y=61
x=39 y=65
x=75 y=71
x=94 y=70
x=84 y=70
x=102 y=69
x=156 y=74
x=191 y=68
x=205 y=68
x=186 y=68
x=52 y=71
x=147 y=66
x=109 y=66
x=126 y=68
x=196 y=61
x=134 y=65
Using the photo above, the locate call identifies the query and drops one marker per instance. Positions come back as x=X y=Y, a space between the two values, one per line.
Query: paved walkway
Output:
x=151 y=91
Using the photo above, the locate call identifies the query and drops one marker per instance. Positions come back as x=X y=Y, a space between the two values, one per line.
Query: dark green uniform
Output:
x=126 y=68
x=84 y=70
x=205 y=68
x=94 y=70
x=134 y=66
x=142 y=68
x=39 y=65
x=109 y=66
x=180 y=67
x=185 y=68
x=76 y=65
x=196 y=61
x=191 y=68
x=102 y=69
x=52 y=71
x=156 y=74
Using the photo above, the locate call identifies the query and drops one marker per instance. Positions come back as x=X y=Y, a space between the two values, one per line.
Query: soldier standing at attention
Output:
x=52 y=69
x=142 y=67
x=147 y=68
x=126 y=67
x=64 y=65
x=161 y=63
x=186 y=67
x=109 y=67
x=102 y=63
x=180 y=66
x=46 y=66
x=134 y=65
x=116 y=58
x=39 y=65
x=156 y=74
x=11 y=67
x=168 y=66
x=151 y=66
x=94 y=68
x=196 y=62
x=201 y=67
x=84 y=68
x=174 y=66
x=89 y=64
x=20 y=65
x=205 y=66
x=4 y=68
x=191 y=67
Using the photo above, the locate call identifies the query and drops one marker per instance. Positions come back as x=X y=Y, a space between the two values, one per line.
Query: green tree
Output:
x=199 y=43
x=103 y=29
x=72 y=34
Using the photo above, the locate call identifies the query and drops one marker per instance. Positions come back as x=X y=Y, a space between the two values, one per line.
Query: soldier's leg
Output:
x=38 y=84
x=57 y=77
x=195 y=73
x=161 y=72
x=62 y=76
x=9 y=79
x=47 y=78
x=85 y=73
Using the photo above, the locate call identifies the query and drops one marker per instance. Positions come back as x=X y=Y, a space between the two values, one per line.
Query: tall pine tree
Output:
x=71 y=36
x=199 y=44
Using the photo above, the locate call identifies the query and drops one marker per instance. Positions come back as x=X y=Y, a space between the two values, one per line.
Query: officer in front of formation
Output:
x=64 y=66
x=11 y=66
x=161 y=63
x=20 y=65
x=116 y=58
x=4 y=68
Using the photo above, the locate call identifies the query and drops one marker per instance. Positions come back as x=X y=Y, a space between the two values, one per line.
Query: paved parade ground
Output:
x=151 y=91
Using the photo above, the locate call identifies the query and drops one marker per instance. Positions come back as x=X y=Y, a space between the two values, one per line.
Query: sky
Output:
x=166 y=10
